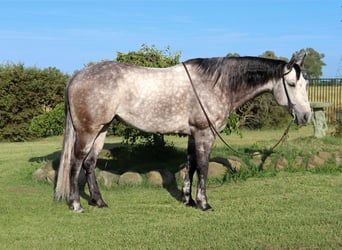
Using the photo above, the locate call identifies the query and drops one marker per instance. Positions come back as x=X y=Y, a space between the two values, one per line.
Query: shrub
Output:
x=261 y=112
x=50 y=123
x=26 y=92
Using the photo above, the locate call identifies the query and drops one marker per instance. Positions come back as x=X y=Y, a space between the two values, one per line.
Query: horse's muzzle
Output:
x=302 y=118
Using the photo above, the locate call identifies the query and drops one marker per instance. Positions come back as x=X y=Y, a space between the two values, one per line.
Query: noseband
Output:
x=290 y=104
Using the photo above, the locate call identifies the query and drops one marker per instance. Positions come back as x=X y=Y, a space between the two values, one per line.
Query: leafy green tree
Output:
x=26 y=92
x=148 y=57
x=233 y=55
x=313 y=63
x=49 y=123
x=269 y=54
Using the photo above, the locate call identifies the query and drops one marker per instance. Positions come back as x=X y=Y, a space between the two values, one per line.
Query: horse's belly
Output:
x=157 y=123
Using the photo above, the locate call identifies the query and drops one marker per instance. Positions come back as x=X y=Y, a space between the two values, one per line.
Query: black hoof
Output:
x=102 y=205
x=191 y=203
x=98 y=203
x=206 y=208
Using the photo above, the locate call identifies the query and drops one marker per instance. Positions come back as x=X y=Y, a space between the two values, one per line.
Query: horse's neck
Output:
x=245 y=93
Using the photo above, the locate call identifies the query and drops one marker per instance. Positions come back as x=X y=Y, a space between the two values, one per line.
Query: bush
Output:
x=50 y=123
x=26 y=92
x=263 y=112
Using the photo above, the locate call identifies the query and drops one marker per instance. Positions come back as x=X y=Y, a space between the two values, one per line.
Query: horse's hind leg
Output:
x=190 y=170
x=84 y=154
x=89 y=165
x=82 y=147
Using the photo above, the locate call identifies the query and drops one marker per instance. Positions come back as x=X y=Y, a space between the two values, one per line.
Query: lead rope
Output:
x=215 y=132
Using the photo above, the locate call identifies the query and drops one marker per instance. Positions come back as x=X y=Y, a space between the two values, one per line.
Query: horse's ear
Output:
x=297 y=58
x=300 y=58
x=291 y=62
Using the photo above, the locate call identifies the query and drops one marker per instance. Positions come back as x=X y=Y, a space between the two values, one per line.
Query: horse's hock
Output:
x=319 y=118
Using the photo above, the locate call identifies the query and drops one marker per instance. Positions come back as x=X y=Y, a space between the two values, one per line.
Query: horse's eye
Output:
x=291 y=84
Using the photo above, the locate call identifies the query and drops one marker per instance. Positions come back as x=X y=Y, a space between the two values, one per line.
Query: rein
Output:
x=215 y=132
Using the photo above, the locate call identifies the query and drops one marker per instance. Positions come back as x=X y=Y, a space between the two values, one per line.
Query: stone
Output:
x=130 y=178
x=107 y=179
x=51 y=176
x=338 y=159
x=235 y=163
x=160 y=178
x=267 y=163
x=154 y=178
x=315 y=162
x=324 y=155
x=182 y=171
x=105 y=154
x=45 y=173
x=217 y=171
x=39 y=175
x=320 y=124
x=281 y=163
x=257 y=159
x=298 y=162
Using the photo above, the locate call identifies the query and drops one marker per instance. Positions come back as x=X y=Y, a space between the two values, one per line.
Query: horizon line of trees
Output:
x=32 y=99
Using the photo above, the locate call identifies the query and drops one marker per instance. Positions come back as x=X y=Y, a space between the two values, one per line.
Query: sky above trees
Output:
x=70 y=34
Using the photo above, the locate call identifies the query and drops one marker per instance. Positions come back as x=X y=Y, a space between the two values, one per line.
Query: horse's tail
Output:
x=63 y=179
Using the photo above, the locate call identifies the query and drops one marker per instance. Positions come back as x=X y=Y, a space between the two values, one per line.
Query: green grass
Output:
x=300 y=210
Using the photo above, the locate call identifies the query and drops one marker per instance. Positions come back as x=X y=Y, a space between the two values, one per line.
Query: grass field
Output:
x=300 y=210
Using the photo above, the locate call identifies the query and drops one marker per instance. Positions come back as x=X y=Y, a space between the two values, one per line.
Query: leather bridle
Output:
x=291 y=105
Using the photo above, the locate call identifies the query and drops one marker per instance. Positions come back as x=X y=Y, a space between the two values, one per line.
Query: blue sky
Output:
x=69 y=34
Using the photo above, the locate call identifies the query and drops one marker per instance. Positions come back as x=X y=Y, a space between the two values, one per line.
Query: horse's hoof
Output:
x=76 y=208
x=191 y=203
x=102 y=205
x=79 y=211
x=206 y=208
x=92 y=202
x=99 y=203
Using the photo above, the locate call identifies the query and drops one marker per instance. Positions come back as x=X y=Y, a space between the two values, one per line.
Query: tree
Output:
x=148 y=57
x=26 y=92
x=313 y=63
x=49 y=123
x=233 y=55
x=271 y=55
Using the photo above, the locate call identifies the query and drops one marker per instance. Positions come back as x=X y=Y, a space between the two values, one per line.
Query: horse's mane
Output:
x=237 y=71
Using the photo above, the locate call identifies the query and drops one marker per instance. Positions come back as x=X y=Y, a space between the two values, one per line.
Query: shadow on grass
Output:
x=119 y=158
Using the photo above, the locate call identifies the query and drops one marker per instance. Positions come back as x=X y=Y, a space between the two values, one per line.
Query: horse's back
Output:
x=151 y=99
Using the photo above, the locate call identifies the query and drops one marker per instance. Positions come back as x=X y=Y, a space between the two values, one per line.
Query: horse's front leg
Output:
x=204 y=140
x=190 y=170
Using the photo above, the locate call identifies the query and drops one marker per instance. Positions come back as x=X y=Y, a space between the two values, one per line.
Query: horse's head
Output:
x=290 y=90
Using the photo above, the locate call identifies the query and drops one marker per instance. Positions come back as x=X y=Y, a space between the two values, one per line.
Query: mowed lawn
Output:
x=298 y=210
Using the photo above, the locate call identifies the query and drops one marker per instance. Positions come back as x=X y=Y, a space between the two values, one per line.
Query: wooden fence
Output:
x=327 y=90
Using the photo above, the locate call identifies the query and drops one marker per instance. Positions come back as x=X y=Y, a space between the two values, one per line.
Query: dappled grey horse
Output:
x=191 y=98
